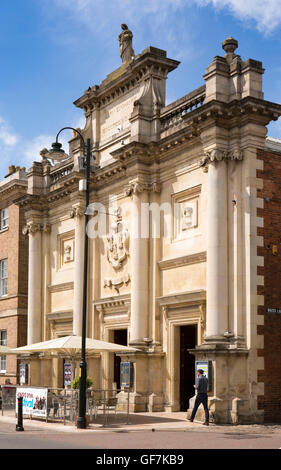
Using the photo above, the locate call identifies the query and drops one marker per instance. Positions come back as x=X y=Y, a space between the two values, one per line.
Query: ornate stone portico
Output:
x=178 y=270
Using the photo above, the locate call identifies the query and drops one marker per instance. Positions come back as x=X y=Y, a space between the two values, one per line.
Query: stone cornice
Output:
x=135 y=150
x=227 y=115
x=152 y=61
x=112 y=172
x=238 y=112
x=234 y=114
x=61 y=287
x=182 y=261
x=184 y=298
x=31 y=201
x=60 y=315
x=44 y=202
x=13 y=188
x=113 y=304
x=152 y=153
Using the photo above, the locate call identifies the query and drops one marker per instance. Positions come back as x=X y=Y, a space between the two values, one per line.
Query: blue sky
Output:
x=53 y=50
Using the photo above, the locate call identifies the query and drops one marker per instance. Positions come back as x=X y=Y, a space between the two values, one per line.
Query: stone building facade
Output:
x=179 y=272
x=13 y=271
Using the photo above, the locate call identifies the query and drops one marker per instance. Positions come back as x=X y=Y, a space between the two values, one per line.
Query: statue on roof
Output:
x=126 y=44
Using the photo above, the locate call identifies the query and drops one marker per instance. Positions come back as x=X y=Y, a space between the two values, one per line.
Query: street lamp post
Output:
x=59 y=154
x=81 y=421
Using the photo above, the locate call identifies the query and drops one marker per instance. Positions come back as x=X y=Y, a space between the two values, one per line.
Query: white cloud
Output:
x=266 y=14
x=17 y=150
x=7 y=137
x=34 y=147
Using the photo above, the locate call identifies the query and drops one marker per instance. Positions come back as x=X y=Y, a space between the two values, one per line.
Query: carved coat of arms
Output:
x=117 y=245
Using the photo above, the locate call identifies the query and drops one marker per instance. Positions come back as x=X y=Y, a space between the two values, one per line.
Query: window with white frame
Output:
x=4 y=218
x=3 y=277
x=3 y=342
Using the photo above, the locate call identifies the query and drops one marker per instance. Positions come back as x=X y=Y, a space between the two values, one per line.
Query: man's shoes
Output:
x=205 y=424
x=191 y=420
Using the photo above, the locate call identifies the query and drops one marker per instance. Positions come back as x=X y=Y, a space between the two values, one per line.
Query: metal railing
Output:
x=7 y=398
x=103 y=407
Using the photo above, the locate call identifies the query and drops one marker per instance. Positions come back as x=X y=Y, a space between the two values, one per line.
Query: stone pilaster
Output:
x=139 y=268
x=77 y=213
x=217 y=252
x=34 y=332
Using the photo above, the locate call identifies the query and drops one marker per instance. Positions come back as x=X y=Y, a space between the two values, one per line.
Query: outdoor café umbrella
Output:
x=5 y=351
x=71 y=346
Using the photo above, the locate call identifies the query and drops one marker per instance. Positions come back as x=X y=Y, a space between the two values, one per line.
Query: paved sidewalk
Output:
x=141 y=422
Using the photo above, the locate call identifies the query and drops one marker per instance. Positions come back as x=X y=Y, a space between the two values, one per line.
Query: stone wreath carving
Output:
x=117 y=283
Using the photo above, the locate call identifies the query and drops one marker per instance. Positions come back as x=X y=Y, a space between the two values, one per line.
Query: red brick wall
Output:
x=271 y=376
x=13 y=307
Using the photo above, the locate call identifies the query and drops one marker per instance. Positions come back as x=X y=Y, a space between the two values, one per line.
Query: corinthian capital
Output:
x=77 y=211
x=46 y=228
x=217 y=155
x=31 y=227
x=135 y=187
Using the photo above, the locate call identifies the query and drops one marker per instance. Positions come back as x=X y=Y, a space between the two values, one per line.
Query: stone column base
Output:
x=233 y=394
x=200 y=415
x=147 y=392
x=137 y=402
x=140 y=403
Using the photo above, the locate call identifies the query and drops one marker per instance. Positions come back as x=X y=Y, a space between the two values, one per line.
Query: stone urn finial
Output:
x=44 y=153
x=229 y=45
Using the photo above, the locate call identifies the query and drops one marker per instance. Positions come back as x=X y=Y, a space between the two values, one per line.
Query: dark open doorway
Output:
x=120 y=337
x=188 y=340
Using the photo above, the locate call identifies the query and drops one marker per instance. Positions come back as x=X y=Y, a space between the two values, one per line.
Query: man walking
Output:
x=202 y=396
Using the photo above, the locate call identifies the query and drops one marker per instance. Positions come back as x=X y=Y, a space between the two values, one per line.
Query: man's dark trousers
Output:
x=201 y=398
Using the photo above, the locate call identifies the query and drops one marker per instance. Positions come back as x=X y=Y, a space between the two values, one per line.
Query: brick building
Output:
x=270 y=402
x=13 y=271
x=208 y=289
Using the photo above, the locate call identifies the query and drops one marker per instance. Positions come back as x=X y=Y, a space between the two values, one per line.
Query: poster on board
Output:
x=34 y=401
x=23 y=374
x=206 y=366
x=68 y=376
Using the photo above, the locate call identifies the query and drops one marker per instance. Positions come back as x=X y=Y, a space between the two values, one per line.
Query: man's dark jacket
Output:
x=202 y=384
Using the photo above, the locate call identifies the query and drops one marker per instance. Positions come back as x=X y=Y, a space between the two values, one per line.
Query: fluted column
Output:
x=34 y=328
x=139 y=269
x=217 y=251
x=215 y=161
x=78 y=215
x=46 y=279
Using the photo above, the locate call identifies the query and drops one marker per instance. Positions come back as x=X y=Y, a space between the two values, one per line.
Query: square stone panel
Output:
x=66 y=250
